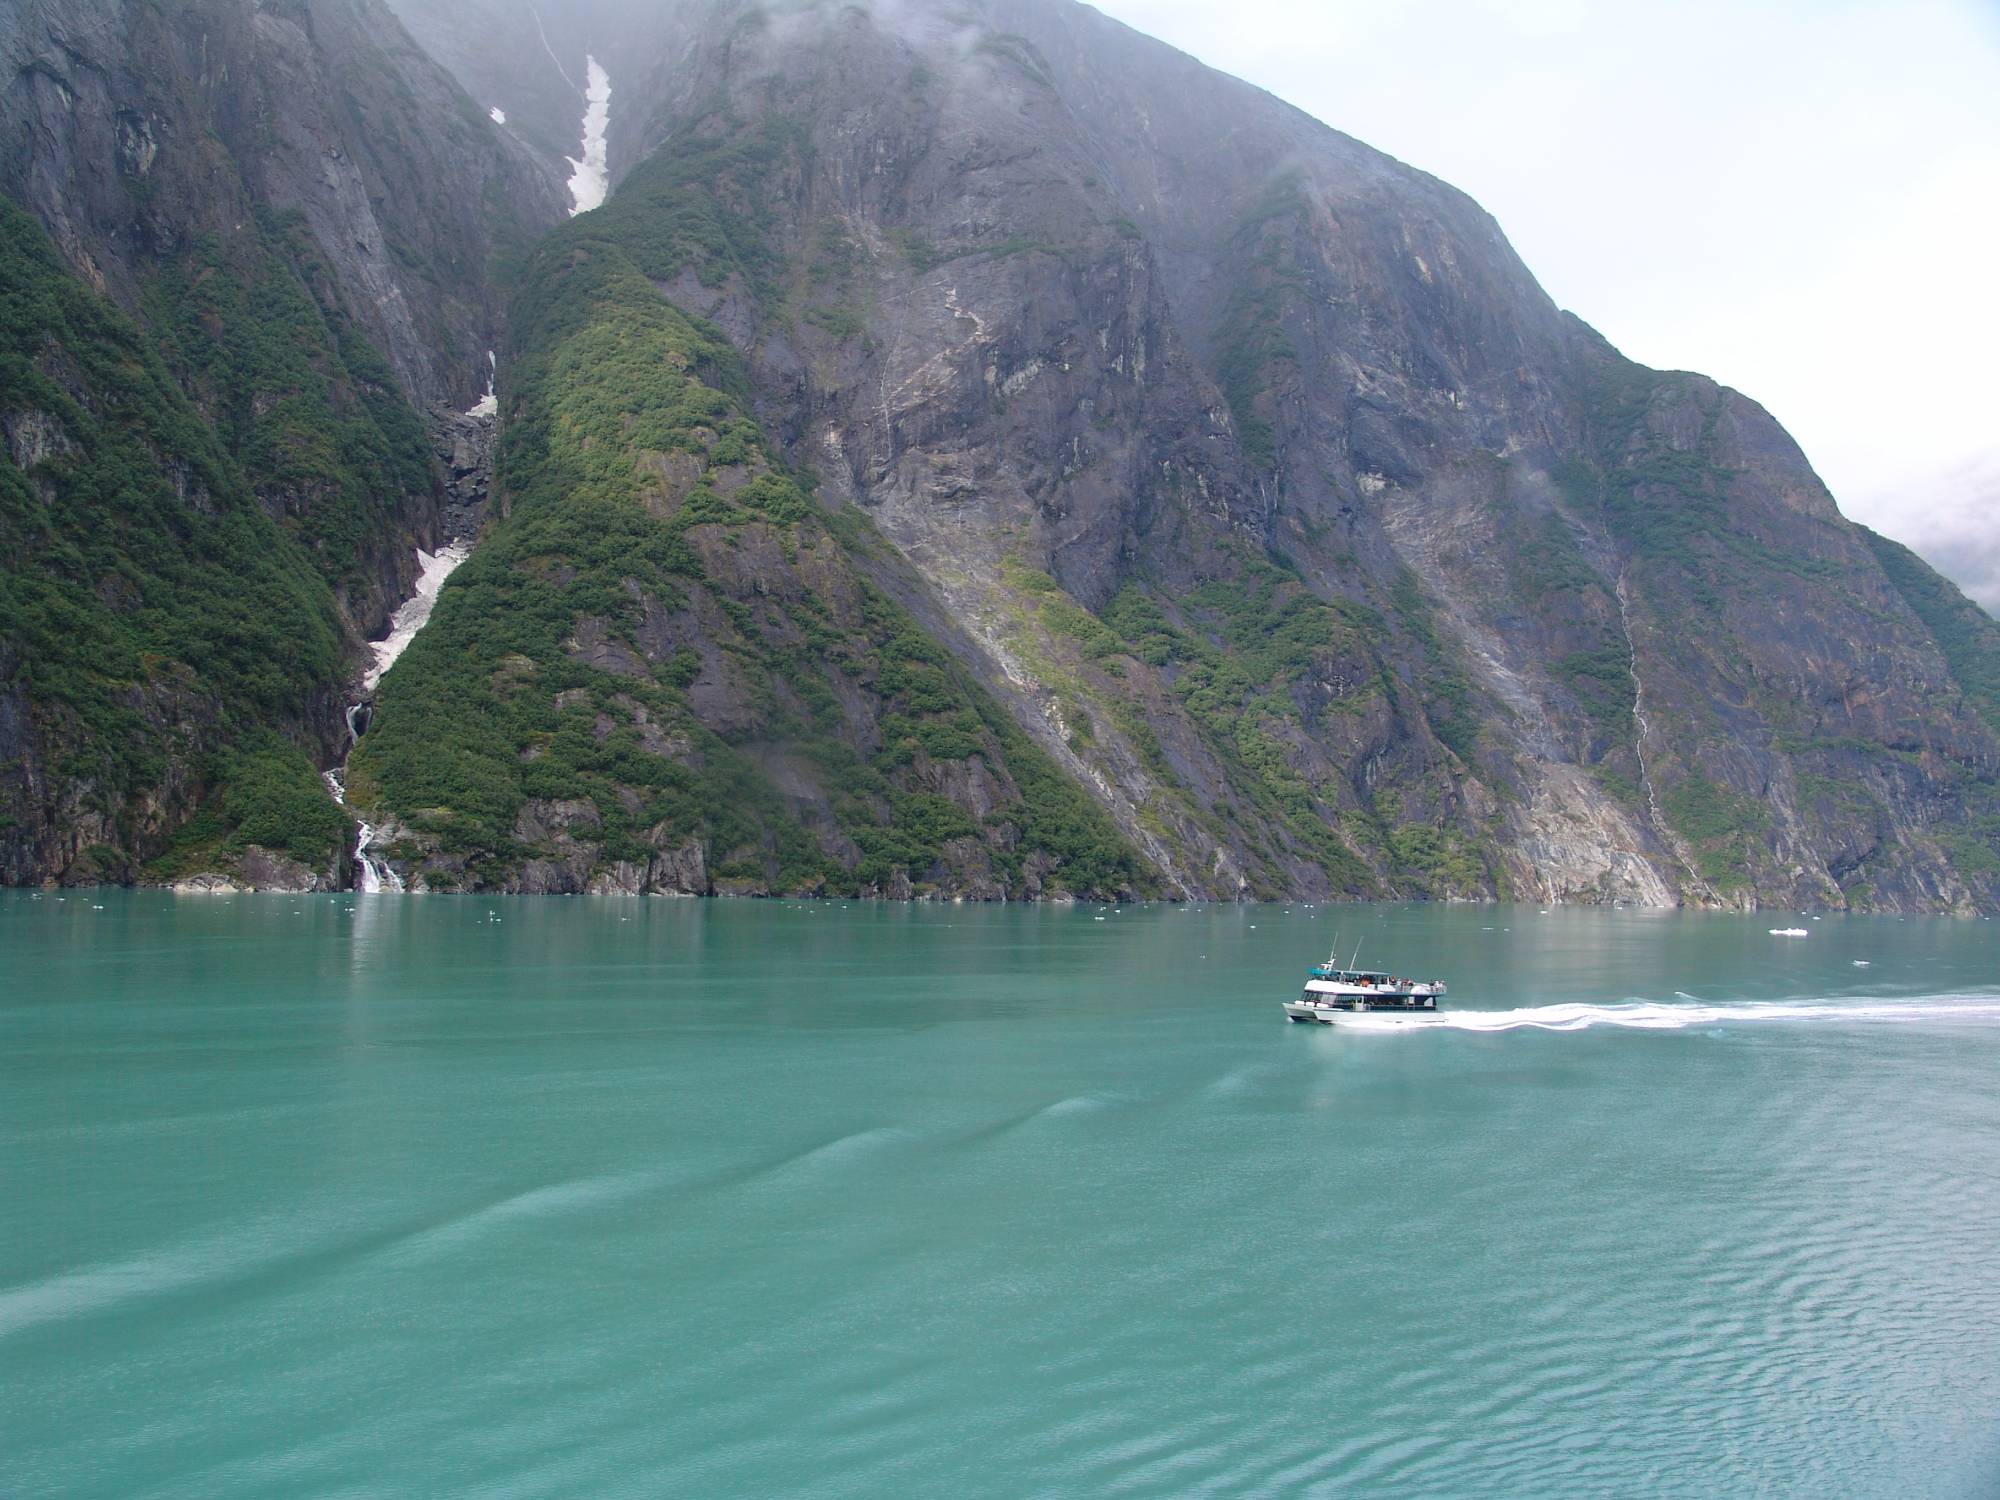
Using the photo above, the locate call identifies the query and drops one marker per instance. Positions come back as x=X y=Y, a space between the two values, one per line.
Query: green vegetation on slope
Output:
x=1281 y=687
x=1555 y=584
x=151 y=611
x=1250 y=338
x=1966 y=634
x=1236 y=665
x=1725 y=828
x=269 y=797
x=312 y=415
x=668 y=639
x=1446 y=692
x=699 y=203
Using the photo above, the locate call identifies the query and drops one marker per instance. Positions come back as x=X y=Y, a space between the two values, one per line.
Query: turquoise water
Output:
x=365 y=1196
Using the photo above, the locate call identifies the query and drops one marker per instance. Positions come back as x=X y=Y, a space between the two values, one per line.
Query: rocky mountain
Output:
x=271 y=239
x=978 y=450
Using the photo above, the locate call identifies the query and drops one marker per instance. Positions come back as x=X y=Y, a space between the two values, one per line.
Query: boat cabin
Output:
x=1366 y=978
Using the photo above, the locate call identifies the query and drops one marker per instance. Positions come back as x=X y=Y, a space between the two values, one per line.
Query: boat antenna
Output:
x=1334 y=953
x=1357 y=956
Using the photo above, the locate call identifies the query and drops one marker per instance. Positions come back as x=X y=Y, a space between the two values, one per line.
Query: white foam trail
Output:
x=433 y=568
x=1647 y=1015
x=591 y=179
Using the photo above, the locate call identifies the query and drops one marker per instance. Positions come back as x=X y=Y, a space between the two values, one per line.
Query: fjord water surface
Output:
x=361 y=1196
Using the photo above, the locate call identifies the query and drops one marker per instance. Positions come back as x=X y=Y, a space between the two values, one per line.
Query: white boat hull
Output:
x=1332 y=1015
x=1333 y=996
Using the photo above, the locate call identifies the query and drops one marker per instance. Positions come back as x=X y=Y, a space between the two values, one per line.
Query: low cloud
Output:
x=1952 y=520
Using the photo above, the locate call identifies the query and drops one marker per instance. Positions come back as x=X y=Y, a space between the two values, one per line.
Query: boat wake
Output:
x=1648 y=1015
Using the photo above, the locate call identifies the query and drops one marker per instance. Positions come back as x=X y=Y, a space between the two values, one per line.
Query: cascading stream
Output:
x=1642 y=728
x=373 y=872
x=488 y=405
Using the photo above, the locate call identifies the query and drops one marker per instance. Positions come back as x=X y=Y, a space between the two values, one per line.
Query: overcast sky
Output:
x=1798 y=197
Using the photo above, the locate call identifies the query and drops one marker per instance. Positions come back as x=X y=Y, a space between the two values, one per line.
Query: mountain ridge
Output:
x=290 y=210
x=1229 y=471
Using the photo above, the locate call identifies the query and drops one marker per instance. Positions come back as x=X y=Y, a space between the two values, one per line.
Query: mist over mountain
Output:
x=974 y=450
x=1959 y=533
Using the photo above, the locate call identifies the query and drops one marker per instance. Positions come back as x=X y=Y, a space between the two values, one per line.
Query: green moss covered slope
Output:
x=667 y=668
x=160 y=635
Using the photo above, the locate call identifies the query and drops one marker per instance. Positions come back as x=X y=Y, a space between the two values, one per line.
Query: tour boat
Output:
x=1333 y=994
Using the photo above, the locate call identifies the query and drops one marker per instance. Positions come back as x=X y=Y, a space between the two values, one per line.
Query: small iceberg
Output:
x=1860 y=963
x=1789 y=932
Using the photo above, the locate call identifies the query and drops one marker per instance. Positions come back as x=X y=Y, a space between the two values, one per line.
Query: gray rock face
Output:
x=463 y=444
x=527 y=60
x=263 y=870
x=1052 y=301
x=1246 y=467
x=134 y=131
x=207 y=165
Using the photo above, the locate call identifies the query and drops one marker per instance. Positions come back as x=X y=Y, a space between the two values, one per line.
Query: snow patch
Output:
x=497 y=115
x=433 y=568
x=590 y=179
x=1021 y=379
x=487 y=405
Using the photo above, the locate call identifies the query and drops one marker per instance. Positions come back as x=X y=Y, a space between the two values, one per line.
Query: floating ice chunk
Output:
x=497 y=115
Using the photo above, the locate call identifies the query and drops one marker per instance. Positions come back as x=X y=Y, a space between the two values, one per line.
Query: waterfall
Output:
x=376 y=875
x=488 y=405
x=373 y=874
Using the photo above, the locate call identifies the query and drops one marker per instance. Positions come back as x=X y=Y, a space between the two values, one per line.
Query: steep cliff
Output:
x=666 y=670
x=1258 y=476
x=136 y=133
x=528 y=59
x=304 y=220
x=978 y=450
x=170 y=657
